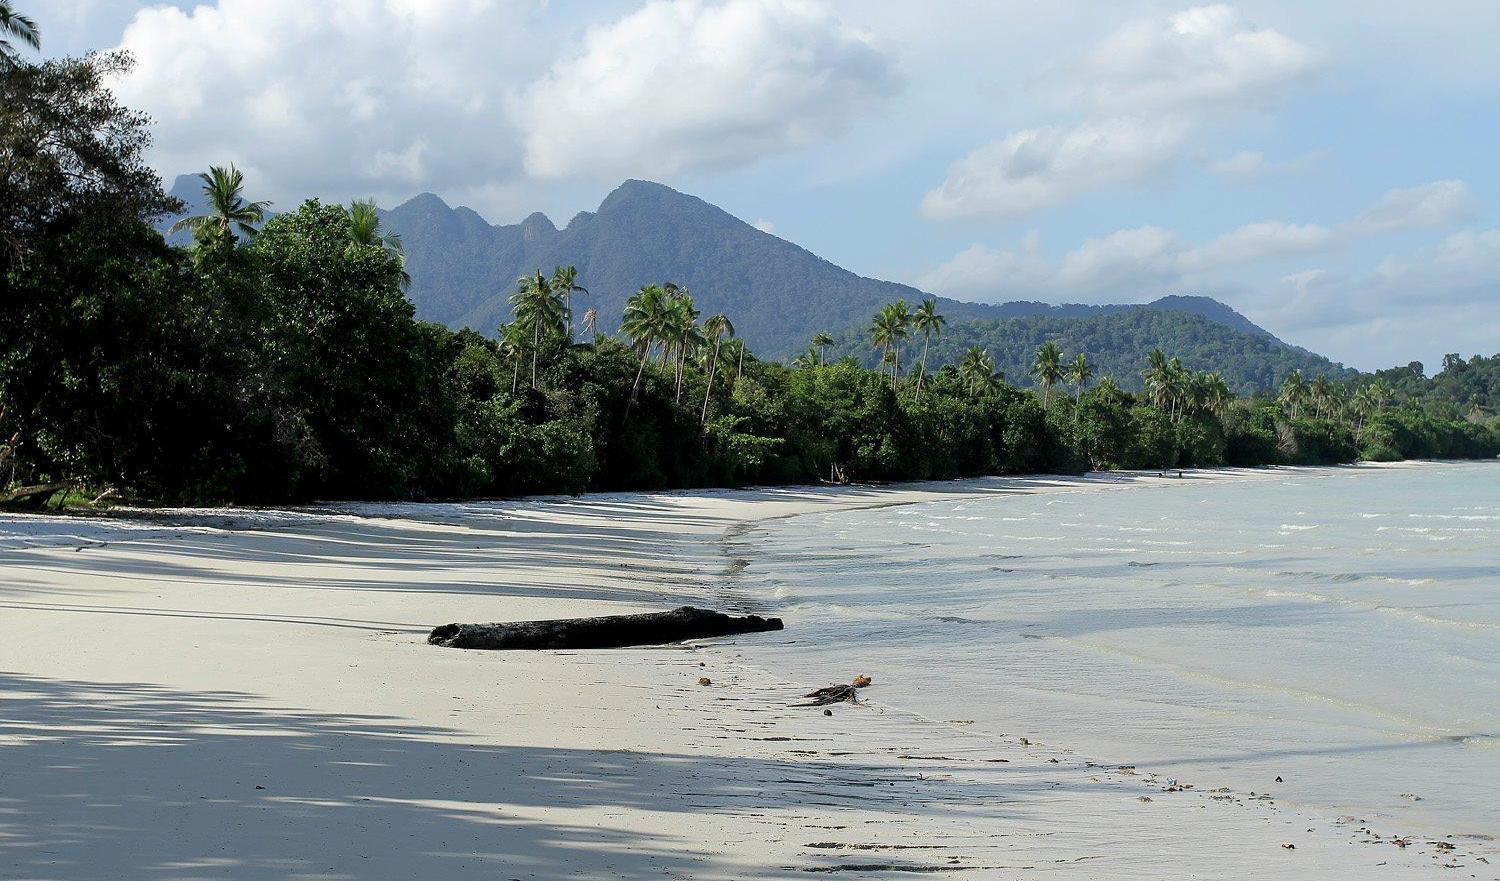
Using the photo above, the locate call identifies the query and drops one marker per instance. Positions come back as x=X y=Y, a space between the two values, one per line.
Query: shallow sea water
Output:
x=1338 y=628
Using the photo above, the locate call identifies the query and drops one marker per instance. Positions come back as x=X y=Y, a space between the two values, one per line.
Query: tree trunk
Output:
x=645 y=355
x=610 y=631
x=922 y=372
x=713 y=365
x=536 y=340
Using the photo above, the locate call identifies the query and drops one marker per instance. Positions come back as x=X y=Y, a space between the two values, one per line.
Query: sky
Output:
x=1329 y=169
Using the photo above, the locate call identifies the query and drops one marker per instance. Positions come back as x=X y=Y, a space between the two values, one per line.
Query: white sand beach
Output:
x=249 y=695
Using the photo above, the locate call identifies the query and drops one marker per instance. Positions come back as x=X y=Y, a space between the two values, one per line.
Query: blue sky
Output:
x=1329 y=169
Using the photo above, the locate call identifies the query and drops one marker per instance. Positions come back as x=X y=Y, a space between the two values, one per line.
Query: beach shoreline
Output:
x=160 y=673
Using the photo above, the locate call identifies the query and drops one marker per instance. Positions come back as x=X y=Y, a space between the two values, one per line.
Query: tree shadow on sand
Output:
x=129 y=780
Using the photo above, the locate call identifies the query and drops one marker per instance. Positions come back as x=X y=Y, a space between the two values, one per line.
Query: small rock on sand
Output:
x=704 y=680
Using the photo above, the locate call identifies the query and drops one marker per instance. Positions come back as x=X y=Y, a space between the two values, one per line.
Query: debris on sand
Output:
x=1288 y=845
x=704 y=680
x=836 y=694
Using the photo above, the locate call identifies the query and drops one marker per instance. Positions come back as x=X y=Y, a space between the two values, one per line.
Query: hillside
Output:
x=1117 y=343
x=777 y=293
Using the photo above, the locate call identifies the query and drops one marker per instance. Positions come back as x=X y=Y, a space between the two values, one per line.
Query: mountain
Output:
x=777 y=293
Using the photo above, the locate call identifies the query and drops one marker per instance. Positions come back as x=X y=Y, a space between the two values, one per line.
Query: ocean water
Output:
x=1338 y=628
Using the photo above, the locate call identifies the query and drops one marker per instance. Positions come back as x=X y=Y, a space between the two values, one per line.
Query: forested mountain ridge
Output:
x=778 y=293
x=1116 y=344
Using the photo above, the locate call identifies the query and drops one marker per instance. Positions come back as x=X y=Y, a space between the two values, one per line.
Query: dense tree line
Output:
x=1116 y=341
x=278 y=360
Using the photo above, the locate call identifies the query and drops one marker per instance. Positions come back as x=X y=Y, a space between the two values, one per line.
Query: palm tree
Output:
x=683 y=334
x=1364 y=404
x=739 y=351
x=928 y=323
x=539 y=310
x=1177 y=387
x=715 y=328
x=22 y=28
x=821 y=341
x=1321 y=394
x=1157 y=375
x=977 y=370
x=1107 y=390
x=365 y=231
x=513 y=347
x=1218 y=397
x=565 y=283
x=887 y=331
x=1293 y=391
x=1047 y=369
x=227 y=209
x=1079 y=373
x=645 y=322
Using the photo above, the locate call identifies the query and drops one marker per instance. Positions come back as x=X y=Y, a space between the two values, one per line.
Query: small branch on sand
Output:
x=610 y=631
x=835 y=694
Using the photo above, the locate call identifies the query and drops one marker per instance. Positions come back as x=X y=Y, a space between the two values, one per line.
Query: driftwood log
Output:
x=610 y=631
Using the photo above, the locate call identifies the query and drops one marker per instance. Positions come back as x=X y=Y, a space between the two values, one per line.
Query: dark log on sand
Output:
x=608 y=632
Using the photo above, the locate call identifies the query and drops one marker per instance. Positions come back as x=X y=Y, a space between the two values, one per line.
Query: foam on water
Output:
x=1356 y=659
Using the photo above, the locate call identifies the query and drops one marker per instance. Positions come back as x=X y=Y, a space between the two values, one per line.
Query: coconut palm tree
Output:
x=590 y=323
x=1178 y=381
x=645 y=322
x=1320 y=393
x=365 y=231
x=683 y=334
x=715 y=329
x=977 y=370
x=539 y=310
x=513 y=348
x=14 y=25
x=227 y=209
x=565 y=283
x=1294 y=392
x=1048 y=369
x=1158 y=378
x=887 y=331
x=1218 y=397
x=1363 y=404
x=739 y=357
x=928 y=323
x=821 y=341
x=1079 y=373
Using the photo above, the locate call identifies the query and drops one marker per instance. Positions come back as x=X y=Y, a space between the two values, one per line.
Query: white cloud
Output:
x=1146 y=91
x=1131 y=264
x=1207 y=56
x=1439 y=203
x=1244 y=164
x=765 y=226
x=1035 y=168
x=338 y=99
x=685 y=84
x=1259 y=241
x=1439 y=299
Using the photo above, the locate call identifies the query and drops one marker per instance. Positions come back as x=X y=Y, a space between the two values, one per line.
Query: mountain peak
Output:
x=641 y=192
x=425 y=201
x=537 y=226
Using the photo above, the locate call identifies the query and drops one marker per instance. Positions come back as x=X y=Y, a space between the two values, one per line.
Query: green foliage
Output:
x=1118 y=342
